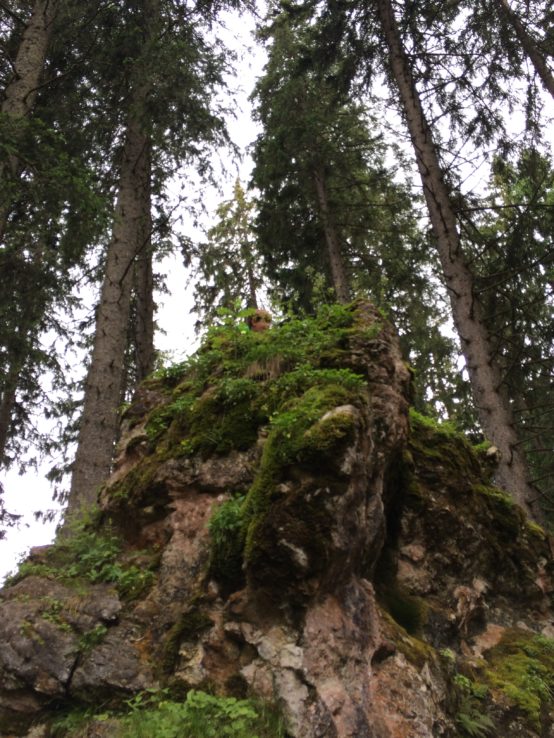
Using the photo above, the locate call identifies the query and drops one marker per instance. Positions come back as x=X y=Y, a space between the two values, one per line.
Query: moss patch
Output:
x=190 y=625
x=408 y=611
x=521 y=667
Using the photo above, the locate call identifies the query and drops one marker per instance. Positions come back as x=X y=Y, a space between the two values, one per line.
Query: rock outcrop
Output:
x=274 y=531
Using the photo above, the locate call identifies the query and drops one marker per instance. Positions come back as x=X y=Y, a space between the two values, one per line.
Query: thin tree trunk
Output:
x=144 y=288
x=338 y=273
x=253 y=299
x=494 y=410
x=529 y=45
x=20 y=92
x=99 y=420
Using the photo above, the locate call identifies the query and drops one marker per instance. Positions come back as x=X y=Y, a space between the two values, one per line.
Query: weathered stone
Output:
x=380 y=569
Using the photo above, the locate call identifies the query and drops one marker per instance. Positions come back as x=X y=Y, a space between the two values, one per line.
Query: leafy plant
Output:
x=92 y=638
x=201 y=716
x=86 y=554
x=474 y=723
x=227 y=540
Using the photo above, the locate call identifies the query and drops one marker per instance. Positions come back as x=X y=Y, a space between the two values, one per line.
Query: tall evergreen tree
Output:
x=311 y=138
x=46 y=181
x=309 y=115
x=513 y=257
x=171 y=73
x=495 y=412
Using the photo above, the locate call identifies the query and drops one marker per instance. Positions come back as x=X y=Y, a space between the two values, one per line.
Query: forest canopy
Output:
x=403 y=154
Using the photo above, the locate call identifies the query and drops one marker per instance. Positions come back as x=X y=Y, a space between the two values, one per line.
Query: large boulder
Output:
x=272 y=531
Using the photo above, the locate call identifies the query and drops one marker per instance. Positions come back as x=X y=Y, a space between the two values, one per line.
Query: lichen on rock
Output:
x=274 y=534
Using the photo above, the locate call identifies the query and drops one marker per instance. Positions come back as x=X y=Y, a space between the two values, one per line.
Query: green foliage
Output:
x=92 y=638
x=472 y=717
x=474 y=723
x=86 y=554
x=76 y=723
x=202 y=716
x=226 y=528
x=228 y=264
x=238 y=379
x=522 y=667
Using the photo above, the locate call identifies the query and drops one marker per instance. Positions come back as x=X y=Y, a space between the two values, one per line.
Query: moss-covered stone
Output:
x=408 y=611
x=521 y=667
x=189 y=626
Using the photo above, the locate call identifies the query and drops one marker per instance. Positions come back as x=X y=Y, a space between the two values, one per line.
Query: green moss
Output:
x=419 y=422
x=416 y=651
x=521 y=666
x=535 y=530
x=225 y=417
x=408 y=611
x=226 y=528
x=502 y=511
x=191 y=624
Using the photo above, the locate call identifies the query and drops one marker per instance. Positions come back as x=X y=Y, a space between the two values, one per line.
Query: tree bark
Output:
x=99 y=420
x=20 y=92
x=529 y=45
x=144 y=289
x=334 y=253
x=494 y=410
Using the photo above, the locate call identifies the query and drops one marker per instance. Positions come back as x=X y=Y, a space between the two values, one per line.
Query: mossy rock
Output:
x=521 y=668
x=193 y=622
x=408 y=611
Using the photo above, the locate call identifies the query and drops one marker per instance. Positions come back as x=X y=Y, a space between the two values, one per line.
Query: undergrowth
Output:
x=201 y=716
x=86 y=554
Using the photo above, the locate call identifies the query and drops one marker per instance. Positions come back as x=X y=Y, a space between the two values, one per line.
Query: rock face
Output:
x=272 y=529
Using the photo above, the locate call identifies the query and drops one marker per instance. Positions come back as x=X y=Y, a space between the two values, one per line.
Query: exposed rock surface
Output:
x=370 y=585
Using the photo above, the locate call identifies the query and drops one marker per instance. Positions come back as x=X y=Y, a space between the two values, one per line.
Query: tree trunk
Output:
x=144 y=288
x=529 y=45
x=21 y=90
x=338 y=273
x=494 y=410
x=99 y=420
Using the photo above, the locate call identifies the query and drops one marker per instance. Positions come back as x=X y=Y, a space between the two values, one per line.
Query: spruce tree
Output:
x=170 y=73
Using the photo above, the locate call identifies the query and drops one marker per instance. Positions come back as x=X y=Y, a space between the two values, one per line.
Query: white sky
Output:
x=24 y=494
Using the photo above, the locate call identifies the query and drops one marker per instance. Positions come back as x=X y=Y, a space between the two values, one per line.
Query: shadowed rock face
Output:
x=363 y=582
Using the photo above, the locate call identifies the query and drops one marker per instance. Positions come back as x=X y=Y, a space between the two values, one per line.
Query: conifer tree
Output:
x=495 y=412
x=50 y=208
x=529 y=44
x=170 y=73
x=227 y=265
